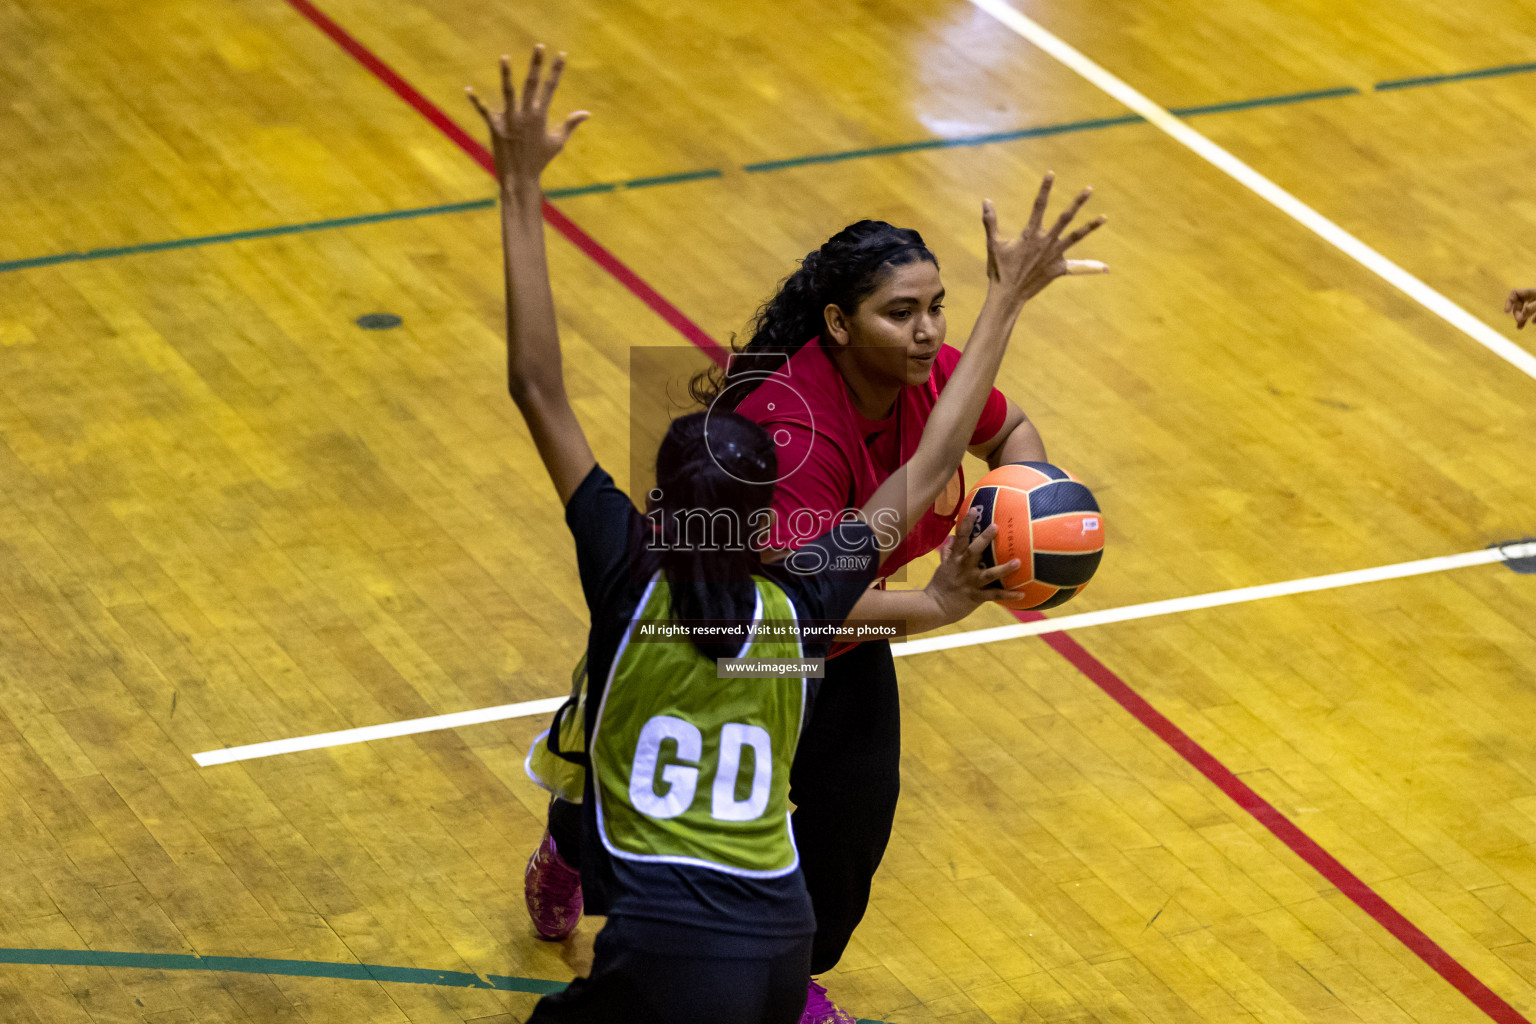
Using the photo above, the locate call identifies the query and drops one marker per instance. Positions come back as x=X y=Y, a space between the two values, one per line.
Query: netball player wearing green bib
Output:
x=687 y=845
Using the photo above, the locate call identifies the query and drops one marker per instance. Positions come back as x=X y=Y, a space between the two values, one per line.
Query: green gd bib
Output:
x=692 y=769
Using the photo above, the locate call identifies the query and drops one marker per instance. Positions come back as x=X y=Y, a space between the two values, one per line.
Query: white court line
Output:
x=1484 y=556
x=1372 y=260
x=545 y=706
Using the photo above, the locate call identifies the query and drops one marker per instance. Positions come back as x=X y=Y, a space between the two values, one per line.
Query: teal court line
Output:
x=671 y=179
x=1266 y=101
x=286 y=968
x=1051 y=129
x=241 y=236
x=1459 y=76
x=289 y=968
x=985 y=139
x=947 y=143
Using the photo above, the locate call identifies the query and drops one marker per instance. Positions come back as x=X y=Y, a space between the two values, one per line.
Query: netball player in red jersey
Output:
x=709 y=915
x=843 y=367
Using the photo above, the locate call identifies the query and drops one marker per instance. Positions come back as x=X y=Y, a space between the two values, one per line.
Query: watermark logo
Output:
x=785 y=412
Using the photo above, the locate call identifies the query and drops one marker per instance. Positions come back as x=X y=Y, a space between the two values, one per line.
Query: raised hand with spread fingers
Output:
x=1026 y=264
x=520 y=135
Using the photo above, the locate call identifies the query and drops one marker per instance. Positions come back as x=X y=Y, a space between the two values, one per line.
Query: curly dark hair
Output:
x=844 y=271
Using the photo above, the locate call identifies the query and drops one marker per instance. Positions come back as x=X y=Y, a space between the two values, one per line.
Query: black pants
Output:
x=633 y=984
x=844 y=783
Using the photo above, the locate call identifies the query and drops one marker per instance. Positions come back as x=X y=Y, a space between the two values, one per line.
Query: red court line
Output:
x=482 y=156
x=1283 y=828
x=1303 y=845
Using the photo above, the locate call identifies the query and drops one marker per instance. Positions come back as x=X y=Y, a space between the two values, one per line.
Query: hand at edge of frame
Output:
x=1521 y=304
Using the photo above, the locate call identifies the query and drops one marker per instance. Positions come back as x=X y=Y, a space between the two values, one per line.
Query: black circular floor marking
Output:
x=378 y=321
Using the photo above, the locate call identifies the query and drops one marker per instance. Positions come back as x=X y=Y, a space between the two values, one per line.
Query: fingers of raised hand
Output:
x=479 y=106
x=531 y=83
x=572 y=122
x=1080 y=234
x=1068 y=214
x=507 y=94
x=548 y=92
x=989 y=219
x=1037 y=215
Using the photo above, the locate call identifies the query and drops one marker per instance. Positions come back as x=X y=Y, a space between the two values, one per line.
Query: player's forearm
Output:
x=907 y=493
x=533 y=340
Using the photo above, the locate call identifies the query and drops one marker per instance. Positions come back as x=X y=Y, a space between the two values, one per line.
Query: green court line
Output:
x=919 y=145
x=1456 y=76
x=614 y=186
x=241 y=236
x=285 y=968
x=580 y=190
x=672 y=179
x=1266 y=101
x=289 y=968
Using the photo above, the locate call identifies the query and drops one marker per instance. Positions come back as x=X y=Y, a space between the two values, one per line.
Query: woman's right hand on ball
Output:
x=960 y=585
x=1025 y=264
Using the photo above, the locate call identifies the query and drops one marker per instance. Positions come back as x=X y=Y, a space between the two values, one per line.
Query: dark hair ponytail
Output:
x=844 y=271
x=714 y=480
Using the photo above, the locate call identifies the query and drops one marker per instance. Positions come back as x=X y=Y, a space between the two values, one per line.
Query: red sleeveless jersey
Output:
x=831 y=458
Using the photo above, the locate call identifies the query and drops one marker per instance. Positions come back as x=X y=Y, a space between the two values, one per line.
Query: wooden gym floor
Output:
x=229 y=514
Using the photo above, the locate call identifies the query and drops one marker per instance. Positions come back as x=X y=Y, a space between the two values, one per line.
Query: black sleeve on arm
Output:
x=826 y=577
x=606 y=526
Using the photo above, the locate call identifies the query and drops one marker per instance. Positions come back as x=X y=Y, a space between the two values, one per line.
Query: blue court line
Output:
x=241 y=236
x=893 y=149
x=1457 y=76
x=286 y=968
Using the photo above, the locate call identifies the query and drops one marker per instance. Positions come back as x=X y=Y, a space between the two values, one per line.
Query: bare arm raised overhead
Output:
x=524 y=146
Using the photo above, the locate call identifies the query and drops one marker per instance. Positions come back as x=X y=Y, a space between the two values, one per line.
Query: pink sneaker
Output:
x=552 y=889
x=821 y=1010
